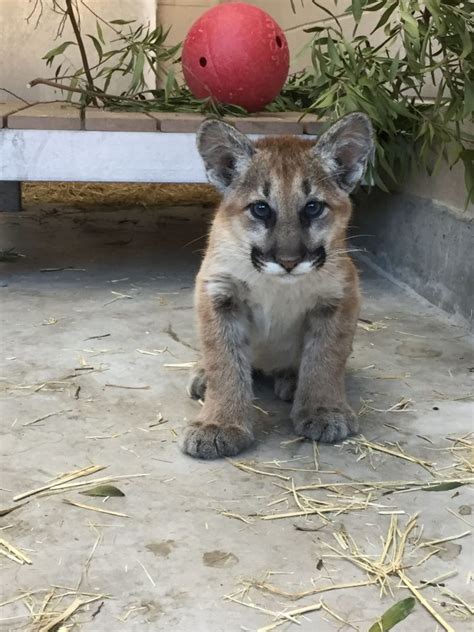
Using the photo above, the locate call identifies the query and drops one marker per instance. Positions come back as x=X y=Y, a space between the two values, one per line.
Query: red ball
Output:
x=237 y=54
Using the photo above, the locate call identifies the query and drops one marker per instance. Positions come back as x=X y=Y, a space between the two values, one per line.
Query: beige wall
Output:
x=22 y=46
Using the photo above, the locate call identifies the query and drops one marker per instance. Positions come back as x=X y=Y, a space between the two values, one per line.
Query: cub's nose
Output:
x=288 y=264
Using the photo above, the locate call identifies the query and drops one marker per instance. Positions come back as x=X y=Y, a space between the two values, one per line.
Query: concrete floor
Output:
x=169 y=564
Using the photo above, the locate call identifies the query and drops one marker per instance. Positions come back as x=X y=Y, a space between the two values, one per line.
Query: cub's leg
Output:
x=223 y=427
x=285 y=385
x=197 y=382
x=320 y=410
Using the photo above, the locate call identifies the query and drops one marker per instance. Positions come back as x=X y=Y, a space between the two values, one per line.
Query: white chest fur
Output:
x=279 y=309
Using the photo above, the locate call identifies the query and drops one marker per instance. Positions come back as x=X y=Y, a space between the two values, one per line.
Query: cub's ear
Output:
x=224 y=150
x=346 y=148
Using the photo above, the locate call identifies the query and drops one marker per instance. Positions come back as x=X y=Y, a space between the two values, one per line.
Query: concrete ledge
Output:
x=424 y=244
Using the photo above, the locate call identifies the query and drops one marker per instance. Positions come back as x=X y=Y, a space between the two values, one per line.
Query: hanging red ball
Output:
x=237 y=54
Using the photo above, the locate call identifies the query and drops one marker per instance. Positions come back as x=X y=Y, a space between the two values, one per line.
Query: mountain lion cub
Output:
x=276 y=290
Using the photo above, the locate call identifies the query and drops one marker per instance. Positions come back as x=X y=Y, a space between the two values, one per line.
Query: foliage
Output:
x=122 y=48
x=393 y=616
x=416 y=83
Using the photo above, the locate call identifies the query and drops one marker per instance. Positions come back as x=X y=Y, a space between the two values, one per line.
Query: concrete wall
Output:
x=423 y=236
x=22 y=46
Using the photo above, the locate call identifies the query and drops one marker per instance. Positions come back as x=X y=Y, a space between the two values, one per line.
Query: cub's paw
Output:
x=328 y=425
x=213 y=441
x=197 y=384
x=285 y=386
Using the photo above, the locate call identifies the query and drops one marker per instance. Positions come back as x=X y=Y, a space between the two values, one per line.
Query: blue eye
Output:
x=314 y=209
x=261 y=210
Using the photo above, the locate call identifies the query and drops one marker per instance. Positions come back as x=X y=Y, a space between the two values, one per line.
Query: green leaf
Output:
x=385 y=16
x=467 y=43
x=73 y=84
x=442 y=487
x=394 y=66
x=97 y=45
x=332 y=51
x=315 y=29
x=410 y=25
x=379 y=182
x=394 y=615
x=356 y=10
x=122 y=21
x=103 y=490
x=468 y=98
x=59 y=50
x=170 y=83
x=137 y=77
x=467 y=156
x=99 y=32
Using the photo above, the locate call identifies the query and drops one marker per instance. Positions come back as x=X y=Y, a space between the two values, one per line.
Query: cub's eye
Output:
x=261 y=210
x=313 y=209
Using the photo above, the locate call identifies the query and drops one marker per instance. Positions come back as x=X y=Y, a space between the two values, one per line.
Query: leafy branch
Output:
x=413 y=75
x=134 y=52
x=417 y=85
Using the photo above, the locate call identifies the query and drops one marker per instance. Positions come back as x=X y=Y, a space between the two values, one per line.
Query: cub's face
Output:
x=286 y=199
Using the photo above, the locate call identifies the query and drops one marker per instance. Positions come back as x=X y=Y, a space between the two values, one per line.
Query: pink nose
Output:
x=288 y=264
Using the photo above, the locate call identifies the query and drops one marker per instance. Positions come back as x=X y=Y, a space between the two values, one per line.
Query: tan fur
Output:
x=297 y=326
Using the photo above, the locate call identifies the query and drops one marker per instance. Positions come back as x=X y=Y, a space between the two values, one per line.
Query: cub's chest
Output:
x=278 y=312
x=276 y=307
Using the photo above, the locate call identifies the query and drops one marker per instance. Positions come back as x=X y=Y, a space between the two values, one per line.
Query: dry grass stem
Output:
x=132 y=388
x=180 y=365
x=237 y=516
x=70 y=610
x=460 y=600
x=424 y=602
x=280 y=617
x=448 y=539
x=337 y=617
x=248 y=468
x=93 y=482
x=86 y=471
x=14 y=554
x=92 y=508
x=391 y=559
x=295 y=596
x=58 y=412
x=362 y=442
x=147 y=574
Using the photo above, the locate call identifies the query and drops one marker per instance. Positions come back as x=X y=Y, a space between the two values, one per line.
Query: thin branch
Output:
x=15 y=95
x=93 y=92
x=100 y=18
x=38 y=3
x=80 y=43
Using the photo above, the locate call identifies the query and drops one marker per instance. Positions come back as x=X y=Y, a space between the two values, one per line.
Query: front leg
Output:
x=320 y=411
x=224 y=426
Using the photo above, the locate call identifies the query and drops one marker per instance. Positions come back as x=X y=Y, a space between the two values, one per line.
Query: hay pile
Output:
x=90 y=195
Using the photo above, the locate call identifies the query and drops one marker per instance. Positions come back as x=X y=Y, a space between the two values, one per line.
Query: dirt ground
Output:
x=97 y=329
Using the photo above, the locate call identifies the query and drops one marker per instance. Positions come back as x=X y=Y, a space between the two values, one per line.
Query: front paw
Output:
x=328 y=425
x=213 y=441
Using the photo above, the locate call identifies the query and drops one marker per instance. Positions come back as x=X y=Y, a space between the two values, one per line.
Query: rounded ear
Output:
x=346 y=148
x=225 y=151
